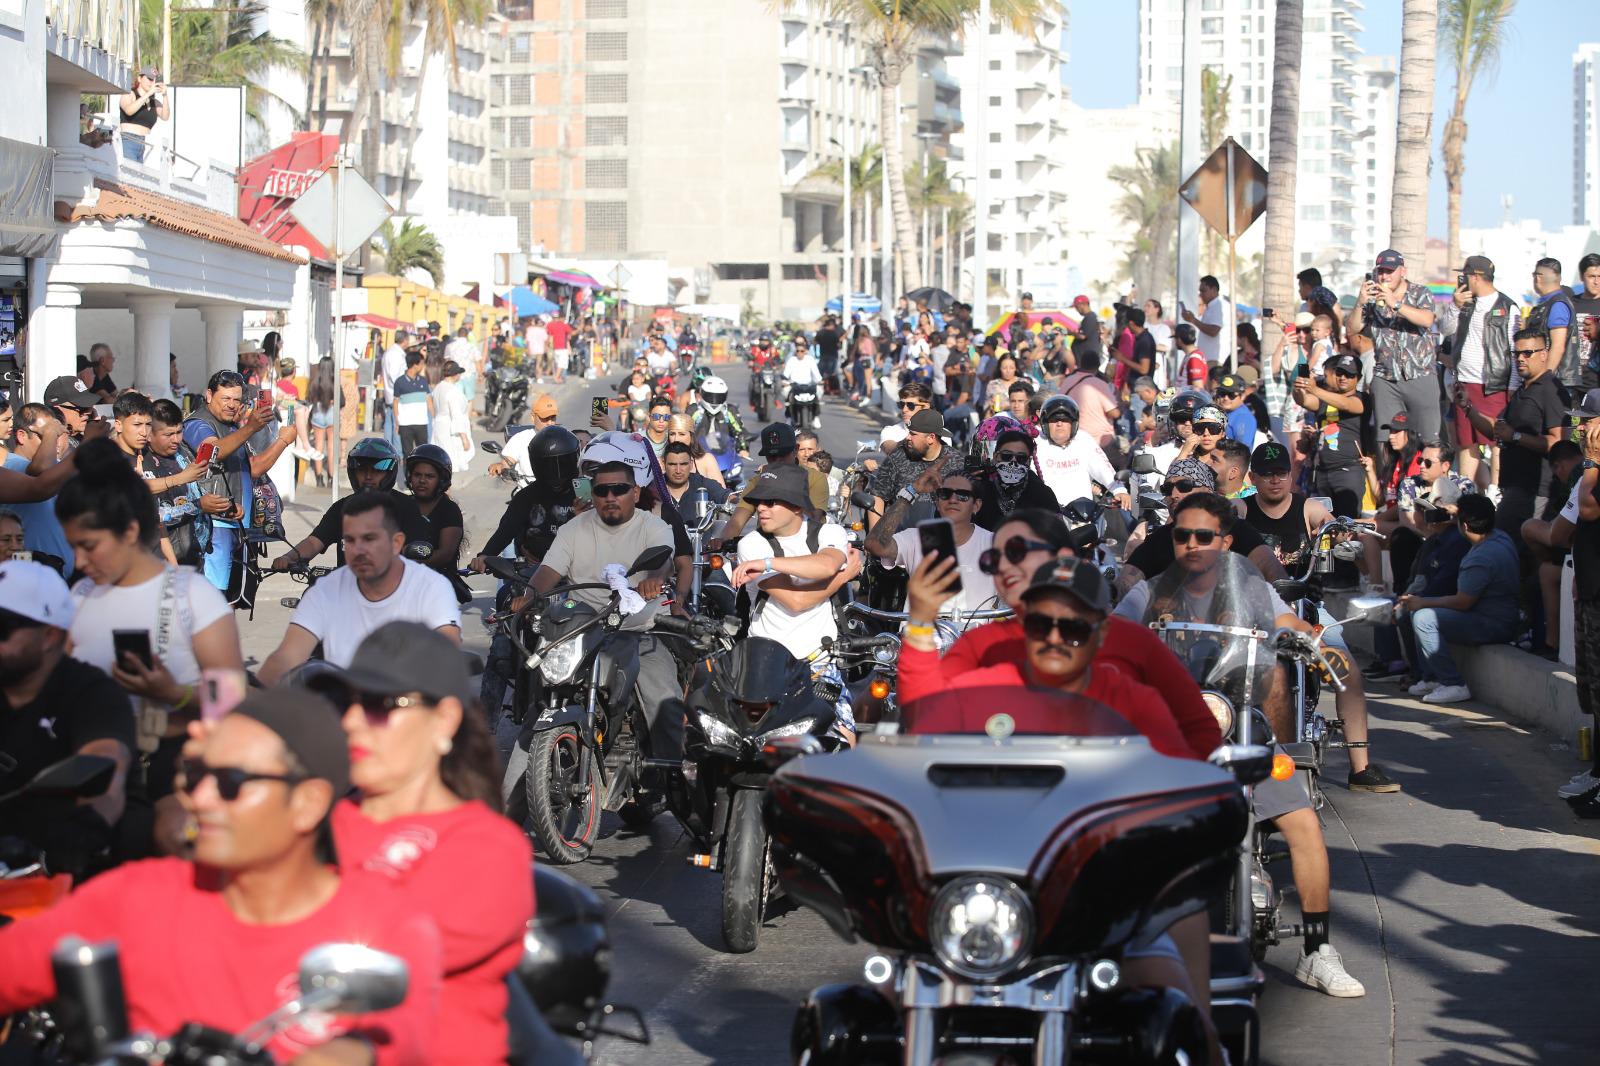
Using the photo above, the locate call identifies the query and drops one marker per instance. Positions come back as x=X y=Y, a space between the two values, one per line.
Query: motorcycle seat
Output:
x=1303 y=754
x=1289 y=589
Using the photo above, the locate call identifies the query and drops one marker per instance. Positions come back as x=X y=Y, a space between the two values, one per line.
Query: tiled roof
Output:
x=121 y=201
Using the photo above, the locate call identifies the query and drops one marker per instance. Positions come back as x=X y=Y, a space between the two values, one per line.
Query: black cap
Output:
x=401 y=657
x=310 y=729
x=1389 y=259
x=1230 y=383
x=1270 y=458
x=1082 y=580
x=777 y=439
x=784 y=483
x=1345 y=363
x=926 y=420
x=1588 y=407
x=84 y=363
x=1398 y=422
x=1478 y=264
x=68 y=391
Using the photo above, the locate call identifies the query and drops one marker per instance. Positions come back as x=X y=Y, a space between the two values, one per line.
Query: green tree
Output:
x=1471 y=34
x=1408 y=214
x=866 y=172
x=1149 y=207
x=222 y=47
x=412 y=246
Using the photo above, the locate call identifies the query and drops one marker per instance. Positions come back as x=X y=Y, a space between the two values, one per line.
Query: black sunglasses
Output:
x=1075 y=632
x=1015 y=550
x=1011 y=457
x=618 y=488
x=1208 y=429
x=230 y=779
x=1202 y=537
x=959 y=495
x=1226 y=394
x=1183 y=484
x=906 y=405
x=377 y=707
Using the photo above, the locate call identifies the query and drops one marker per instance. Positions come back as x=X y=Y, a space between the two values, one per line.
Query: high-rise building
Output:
x=1377 y=97
x=691 y=130
x=1025 y=153
x=1586 y=135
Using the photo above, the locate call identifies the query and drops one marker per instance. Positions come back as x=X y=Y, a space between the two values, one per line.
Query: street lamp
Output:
x=926 y=137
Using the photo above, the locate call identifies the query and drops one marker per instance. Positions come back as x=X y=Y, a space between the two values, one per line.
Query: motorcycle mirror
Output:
x=290 y=602
x=1143 y=463
x=650 y=559
x=865 y=501
x=492 y=447
x=777 y=752
x=417 y=550
x=1377 y=610
x=75 y=777
x=90 y=1008
x=351 y=979
x=1249 y=763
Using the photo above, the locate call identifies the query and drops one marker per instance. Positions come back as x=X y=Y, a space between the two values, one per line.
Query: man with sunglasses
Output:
x=1071 y=463
x=655 y=428
x=923 y=449
x=957 y=499
x=1230 y=398
x=217 y=942
x=1155 y=553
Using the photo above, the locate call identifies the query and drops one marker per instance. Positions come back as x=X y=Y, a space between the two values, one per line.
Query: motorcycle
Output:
x=41 y=852
x=763 y=389
x=802 y=407
x=1001 y=879
x=711 y=594
x=511 y=398
x=580 y=754
x=745 y=695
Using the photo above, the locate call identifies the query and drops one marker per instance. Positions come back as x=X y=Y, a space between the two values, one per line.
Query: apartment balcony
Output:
x=163 y=171
x=474 y=180
x=92 y=43
x=473 y=83
x=468 y=131
x=796 y=43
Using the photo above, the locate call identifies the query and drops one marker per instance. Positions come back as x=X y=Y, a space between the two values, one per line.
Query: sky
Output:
x=1528 y=101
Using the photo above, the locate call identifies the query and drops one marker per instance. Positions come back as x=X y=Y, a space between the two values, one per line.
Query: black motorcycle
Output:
x=509 y=390
x=763 y=390
x=1001 y=879
x=746 y=695
x=579 y=749
x=803 y=408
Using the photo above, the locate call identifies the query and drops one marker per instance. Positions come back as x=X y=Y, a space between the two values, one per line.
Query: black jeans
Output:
x=411 y=437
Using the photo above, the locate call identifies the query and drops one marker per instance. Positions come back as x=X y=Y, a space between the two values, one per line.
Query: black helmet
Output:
x=376 y=453
x=1063 y=405
x=1185 y=404
x=431 y=453
x=566 y=953
x=553 y=454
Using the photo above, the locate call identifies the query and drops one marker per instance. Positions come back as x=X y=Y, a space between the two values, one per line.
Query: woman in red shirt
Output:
x=429 y=819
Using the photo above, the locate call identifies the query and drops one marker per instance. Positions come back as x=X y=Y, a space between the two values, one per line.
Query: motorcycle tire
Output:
x=744 y=873
x=761 y=411
x=564 y=826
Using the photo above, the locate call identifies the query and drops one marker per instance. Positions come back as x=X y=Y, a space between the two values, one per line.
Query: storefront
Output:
x=27 y=230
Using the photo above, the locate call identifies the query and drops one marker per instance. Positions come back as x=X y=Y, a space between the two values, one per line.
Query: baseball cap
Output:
x=1196 y=470
x=1389 y=259
x=309 y=726
x=1229 y=383
x=1079 y=299
x=893 y=434
x=777 y=439
x=1270 y=458
x=36 y=592
x=1344 y=363
x=1477 y=264
x=544 y=406
x=1588 y=407
x=1399 y=421
x=1249 y=375
x=1303 y=320
x=786 y=483
x=1210 y=413
x=926 y=421
x=400 y=657
x=68 y=391
x=150 y=71
x=1084 y=582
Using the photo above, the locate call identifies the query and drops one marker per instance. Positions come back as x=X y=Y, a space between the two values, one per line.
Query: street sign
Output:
x=1206 y=189
x=358 y=218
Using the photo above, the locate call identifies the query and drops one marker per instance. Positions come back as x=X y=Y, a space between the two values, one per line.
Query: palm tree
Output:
x=1473 y=31
x=890 y=29
x=1283 y=150
x=1149 y=207
x=222 y=47
x=1408 y=216
x=866 y=172
x=413 y=246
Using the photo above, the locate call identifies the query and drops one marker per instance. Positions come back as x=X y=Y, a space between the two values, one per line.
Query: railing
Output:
x=162 y=170
x=109 y=25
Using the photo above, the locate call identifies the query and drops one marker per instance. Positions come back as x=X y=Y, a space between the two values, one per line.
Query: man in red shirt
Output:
x=560 y=331
x=218 y=942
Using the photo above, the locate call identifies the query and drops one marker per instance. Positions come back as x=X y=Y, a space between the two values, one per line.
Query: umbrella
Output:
x=860 y=301
x=525 y=302
x=1036 y=319
x=936 y=299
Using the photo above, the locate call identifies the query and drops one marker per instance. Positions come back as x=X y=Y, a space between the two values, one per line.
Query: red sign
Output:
x=269 y=185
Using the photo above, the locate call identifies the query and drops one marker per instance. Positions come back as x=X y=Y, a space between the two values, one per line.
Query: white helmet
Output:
x=617 y=447
x=714 y=394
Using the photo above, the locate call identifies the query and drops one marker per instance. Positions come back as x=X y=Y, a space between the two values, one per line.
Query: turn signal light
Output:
x=857 y=526
x=1282 y=767
x=879 y=688
x=702 y=861
x=716 y=562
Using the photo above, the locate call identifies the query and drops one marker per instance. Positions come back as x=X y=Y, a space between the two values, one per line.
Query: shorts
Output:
x=1272 y=799
x=1161 y=947
x=1493 y=405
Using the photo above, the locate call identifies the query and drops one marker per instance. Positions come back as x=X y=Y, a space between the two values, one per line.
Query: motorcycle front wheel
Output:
x=564 y=817
x=744 y=873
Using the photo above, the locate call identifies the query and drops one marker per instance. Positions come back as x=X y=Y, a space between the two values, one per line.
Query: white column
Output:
x=52 y=333
x=152 y=343
x=224 y=327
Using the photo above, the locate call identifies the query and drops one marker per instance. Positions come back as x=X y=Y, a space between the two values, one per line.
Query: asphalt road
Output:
x=1465 y=903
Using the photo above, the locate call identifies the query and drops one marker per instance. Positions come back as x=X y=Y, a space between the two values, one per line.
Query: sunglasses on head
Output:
x=230 y=779
x=1209 y=429
x=1075 y=632
x=1202 y=537
x=959 y=495
x=225 y=379
x=1183 y=484
x=617 y=488
x=1014 y=551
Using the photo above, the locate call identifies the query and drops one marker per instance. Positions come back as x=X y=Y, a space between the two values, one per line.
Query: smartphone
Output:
x=938 y=537
x=206 y=452
x=221 y=690
x=1269 y=313
x=583 y=489
x=264 y=400
x=103 y=411
x=135 y=640
x=1369 y=277
x=1461 y=281
x=1303 y=371
x=599 y=406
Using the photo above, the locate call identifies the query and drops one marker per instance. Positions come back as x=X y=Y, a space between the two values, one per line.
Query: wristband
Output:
x=769 y=568
x=188 y=698
x=907 y=494
x=919 y=629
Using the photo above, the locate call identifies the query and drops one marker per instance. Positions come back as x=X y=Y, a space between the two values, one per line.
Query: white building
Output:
x=1377 y=94
x=1025 y=155
x=1586 y=135
x=1515 y=246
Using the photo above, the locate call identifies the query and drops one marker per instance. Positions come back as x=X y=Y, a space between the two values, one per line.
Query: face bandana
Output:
x=1011 y=474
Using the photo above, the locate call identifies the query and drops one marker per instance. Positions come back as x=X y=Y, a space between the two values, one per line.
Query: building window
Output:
x=519 y=174
x=801 y=272
x=606 y=131
x=607 y=9
x=497 y=172
x=995 y=101
x=1313 y=212
x=995 y=64
x=1210 y=49
x=497 y=131
x=605 y=47
x=520 y=45
x=605 y=173
x=523 y=214
x=1211 y=25
x=519 y=91
x=994 y=138
x=997 y=173
x=520 y=134
x=606 y=88
x=605 y=226
x=741 y=271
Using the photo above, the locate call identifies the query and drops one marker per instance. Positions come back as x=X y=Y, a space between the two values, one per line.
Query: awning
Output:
x=525 y=302
x=27 y=217
x=376 y=320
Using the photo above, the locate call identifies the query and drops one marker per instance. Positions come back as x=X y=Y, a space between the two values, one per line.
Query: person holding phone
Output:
x=141 y=107
x=1335 y=443
x=953 y=533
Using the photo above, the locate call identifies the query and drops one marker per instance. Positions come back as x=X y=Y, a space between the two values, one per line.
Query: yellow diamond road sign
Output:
x=1206 y=189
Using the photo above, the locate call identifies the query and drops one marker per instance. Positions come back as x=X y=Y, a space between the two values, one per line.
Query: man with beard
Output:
x=923 y=450
x=376 y=585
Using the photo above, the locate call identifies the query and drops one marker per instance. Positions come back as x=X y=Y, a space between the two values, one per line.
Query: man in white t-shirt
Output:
x=956 y=500
x=1070 y=462
x=394 y=365
x=374 y=586
x=1211 y=322
x=801 y=369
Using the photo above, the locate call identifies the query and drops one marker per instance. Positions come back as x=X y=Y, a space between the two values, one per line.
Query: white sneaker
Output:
x=1448 y=694
x=1324 y=971
x=1422 y=688
x=310 y=455
x=1580 y=784
x=1493 y=492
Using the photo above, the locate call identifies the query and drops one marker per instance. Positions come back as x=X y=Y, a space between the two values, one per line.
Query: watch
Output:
x=1590 y=464
x=907 y=494
x=1516 y=436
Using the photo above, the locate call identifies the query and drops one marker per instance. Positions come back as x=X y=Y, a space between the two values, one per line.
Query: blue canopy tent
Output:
x=526 y=303
x=860 y=301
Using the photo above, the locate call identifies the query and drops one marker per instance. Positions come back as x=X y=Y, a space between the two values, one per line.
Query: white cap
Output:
x=895 y=433
x=1304 y=319
x=35 y=591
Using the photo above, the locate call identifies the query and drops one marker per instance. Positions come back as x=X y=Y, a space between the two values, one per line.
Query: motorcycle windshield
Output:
x=1002 y=711
x=1212 y=609
x=759 y=671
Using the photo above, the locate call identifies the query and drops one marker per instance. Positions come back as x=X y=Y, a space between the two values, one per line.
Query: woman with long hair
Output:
x=681 y=428
x=320 y=400
x=997 y=394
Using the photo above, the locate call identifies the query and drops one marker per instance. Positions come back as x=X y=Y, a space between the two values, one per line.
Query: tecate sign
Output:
x=288 y=184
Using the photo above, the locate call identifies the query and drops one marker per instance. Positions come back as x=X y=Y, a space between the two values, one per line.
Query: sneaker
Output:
x=1324 y=971
x=1584 y=782
x=1381 y=671
x=1448 y=694
x=1372 y=779
x=1422 y=688
x=310 y=455
x=1586 y=806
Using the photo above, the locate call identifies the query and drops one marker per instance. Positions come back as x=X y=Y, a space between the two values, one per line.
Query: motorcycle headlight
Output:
x=561 y=661
x=716 y=731
x=797 y=728
x=1220 y=709
x=981 y=927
